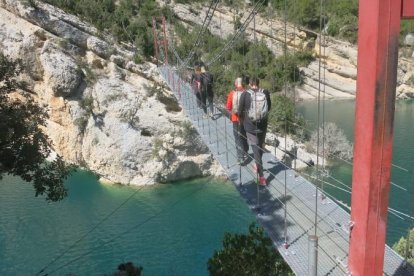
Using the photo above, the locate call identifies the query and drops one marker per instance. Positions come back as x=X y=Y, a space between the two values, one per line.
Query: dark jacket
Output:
x=249 y=126
x=207 y=84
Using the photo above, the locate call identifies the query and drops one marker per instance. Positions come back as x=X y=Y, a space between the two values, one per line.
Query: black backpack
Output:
x=207 y=82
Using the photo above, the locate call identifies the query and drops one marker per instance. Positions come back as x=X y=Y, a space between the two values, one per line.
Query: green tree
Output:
x=248 y=254
x=305 y=12
x=282 y=115
x=23 y=145
x=404 y=249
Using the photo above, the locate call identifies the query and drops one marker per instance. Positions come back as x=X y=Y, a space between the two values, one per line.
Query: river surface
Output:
x=168 y=229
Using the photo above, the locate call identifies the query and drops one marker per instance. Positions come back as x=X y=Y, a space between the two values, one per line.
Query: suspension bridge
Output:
x=314 y=232
x=311 y=229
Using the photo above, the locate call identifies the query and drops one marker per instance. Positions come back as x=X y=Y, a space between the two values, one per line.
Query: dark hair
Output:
x=254 y=81
x=245 y=80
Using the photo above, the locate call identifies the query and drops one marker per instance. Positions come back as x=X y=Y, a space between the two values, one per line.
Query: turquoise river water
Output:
x=168 y=229
x=175 y=227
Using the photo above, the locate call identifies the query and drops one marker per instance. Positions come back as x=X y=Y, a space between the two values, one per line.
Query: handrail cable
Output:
x=323 y=40
x=257 y=139
x=285 y=86
x=294 y=78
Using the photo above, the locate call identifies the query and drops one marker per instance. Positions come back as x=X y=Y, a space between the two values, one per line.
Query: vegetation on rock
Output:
x=127 y=20
x=24 y=147
x=128 y=269
x=404 y=249
x=332 y=141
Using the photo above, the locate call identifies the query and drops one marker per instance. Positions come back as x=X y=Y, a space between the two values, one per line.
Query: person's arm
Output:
x=229 y=103
x=269 y=102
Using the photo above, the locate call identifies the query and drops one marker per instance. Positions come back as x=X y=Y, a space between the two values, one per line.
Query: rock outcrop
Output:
x=104 y=110
x=339 y=58
x=60 y=71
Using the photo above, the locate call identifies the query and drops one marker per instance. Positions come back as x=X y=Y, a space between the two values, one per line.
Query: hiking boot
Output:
x=262 y=181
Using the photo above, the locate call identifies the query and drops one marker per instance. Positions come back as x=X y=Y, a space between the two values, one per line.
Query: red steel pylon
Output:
x=378 y=41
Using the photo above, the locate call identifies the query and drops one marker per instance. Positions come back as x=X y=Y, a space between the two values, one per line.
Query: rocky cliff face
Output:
x=339 y=59
x=106 y=112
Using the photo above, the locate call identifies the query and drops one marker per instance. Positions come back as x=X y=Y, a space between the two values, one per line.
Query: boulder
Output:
x=409 y=39
x=61 y=73
x=98 y=46
x=118 y=60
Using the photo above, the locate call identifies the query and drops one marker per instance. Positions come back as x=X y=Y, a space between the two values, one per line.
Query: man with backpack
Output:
x=254 y=107
x=207 y=90
x=232 y=105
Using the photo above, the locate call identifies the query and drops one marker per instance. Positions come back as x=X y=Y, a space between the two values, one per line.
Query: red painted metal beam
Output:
x=164 y=28
x=379 y=27
x=407 y=9
x=155 y=35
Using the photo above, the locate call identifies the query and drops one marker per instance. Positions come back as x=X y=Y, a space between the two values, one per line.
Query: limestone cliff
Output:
x=106 y=113
x=339 y=58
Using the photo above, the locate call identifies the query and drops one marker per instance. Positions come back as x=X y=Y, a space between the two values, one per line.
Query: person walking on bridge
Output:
x=207 y=90
x=196 y=85
x=232 y=105
x=255 y=106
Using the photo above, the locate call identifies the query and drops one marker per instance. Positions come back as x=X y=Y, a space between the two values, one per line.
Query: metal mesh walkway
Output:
x=269 y=203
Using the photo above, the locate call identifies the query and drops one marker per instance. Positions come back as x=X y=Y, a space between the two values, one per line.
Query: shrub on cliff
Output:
x=23 y=145
x=128 y=20
x=282 y=117
x=332 y=141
